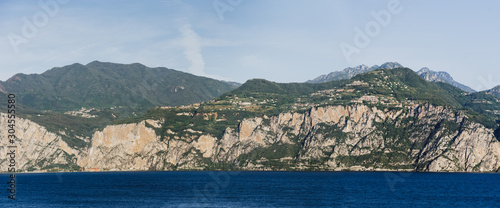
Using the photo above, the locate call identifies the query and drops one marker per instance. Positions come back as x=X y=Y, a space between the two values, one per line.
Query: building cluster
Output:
x=84 y=112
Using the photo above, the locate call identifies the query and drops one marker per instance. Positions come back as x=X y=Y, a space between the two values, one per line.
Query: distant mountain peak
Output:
x=425 y=72
x=94 y=62
x=442 y=76
x=103 y=85
x=14 y=78
x=494 y=91
x=107 y=64
x=350 y=72
x=433 y=76
x=390 y=65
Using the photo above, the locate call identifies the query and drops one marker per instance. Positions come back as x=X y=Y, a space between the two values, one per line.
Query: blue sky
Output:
x=237 y=40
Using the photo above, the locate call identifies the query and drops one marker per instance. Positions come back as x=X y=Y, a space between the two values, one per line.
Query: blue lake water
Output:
x=254 y=189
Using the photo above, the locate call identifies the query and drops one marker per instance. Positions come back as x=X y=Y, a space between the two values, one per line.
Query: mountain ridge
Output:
x=384 y=119
x=425 y=72
x=105 y=85
x=442 y=76
x=494 y=91
x=350 y=72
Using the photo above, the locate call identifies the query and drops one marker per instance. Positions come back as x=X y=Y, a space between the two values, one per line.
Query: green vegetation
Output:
x=260 y=98
x=331 y=131
x=188 y=121
x=116 y=100
x=389 y=160
x=483 y=108
x=274 y=152
x=106 y=85
x=495 y=91
x=404 y=84
x=67 y=126
x=112 y=92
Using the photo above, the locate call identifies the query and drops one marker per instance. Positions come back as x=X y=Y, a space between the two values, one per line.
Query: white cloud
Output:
x=192 y=50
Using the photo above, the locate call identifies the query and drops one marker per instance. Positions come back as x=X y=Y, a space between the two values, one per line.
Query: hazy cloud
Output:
x=192 y=50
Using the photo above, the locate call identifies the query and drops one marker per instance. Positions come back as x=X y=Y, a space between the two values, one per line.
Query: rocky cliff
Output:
x=381 y=120
x=37 y=148
x=423 y=138
x=355 y=137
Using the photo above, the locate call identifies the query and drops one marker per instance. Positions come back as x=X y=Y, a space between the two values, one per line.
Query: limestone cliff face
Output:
x=121 y=147
x=422 y=138
x=37 y=148
x=137 y=147
x=353 y=137
x=437 y=139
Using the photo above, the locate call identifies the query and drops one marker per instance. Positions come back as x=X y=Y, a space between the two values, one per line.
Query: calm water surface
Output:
x=254 y=189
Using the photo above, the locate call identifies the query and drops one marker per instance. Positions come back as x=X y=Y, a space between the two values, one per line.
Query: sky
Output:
x=236 y=40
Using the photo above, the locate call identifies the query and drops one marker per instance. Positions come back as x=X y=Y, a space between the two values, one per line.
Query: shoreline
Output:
x=290 y=171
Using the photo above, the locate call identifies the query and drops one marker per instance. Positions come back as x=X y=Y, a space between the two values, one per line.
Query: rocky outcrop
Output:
x=122 y=147
x=36 y=147
x=441 y=76
x=356 y=137
x=494 y=91
x=353 y=137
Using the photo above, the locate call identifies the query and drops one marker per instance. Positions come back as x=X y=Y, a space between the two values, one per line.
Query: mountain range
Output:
x=390 y=118
x=350 y=72
x=84 y=98
x=425 y=72
x=107 y=85
x=442 y=76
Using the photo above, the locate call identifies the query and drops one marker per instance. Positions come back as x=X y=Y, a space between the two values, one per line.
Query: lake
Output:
x=254 y=189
